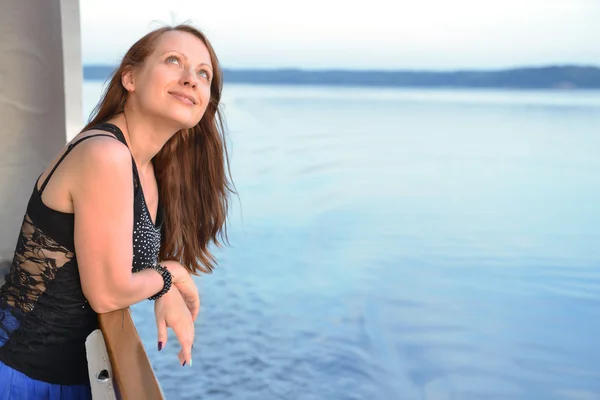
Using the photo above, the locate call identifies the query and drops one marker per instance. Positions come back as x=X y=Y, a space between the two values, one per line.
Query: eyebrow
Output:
x=186 y=57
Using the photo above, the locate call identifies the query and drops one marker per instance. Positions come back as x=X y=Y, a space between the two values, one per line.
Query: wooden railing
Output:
x=128 y=372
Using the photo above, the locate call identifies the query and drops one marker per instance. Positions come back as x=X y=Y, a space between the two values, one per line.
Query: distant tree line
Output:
x=551 y=77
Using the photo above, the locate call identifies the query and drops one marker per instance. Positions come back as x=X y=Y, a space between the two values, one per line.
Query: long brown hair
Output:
x=191 y=169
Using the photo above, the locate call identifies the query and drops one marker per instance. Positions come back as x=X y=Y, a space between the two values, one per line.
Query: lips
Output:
x=186 y=98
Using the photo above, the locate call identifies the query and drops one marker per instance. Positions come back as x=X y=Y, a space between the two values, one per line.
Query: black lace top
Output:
x=44 y=316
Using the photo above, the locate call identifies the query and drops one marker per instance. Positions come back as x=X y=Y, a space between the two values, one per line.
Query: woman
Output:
x=144 y=181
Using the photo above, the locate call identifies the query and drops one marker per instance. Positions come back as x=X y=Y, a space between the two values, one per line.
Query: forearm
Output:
x=138 y=287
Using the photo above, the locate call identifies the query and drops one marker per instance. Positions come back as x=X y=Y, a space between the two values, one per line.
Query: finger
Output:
x=187 y=355
x=161 y=327
x=184 y=358
x=194 y=306
x=187 y=352
x=193 y=303
x=185 y=335
x=189 y=292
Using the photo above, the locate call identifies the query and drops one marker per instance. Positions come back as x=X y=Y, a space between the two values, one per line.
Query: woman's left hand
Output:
x=171 y=311
x=183 y=281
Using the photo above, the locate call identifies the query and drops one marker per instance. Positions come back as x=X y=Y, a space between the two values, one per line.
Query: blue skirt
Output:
x=17 y=386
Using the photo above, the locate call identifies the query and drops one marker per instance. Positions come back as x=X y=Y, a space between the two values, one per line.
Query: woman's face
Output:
x=174 y=82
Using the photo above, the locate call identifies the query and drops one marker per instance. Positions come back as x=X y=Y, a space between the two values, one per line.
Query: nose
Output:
x=189 y=78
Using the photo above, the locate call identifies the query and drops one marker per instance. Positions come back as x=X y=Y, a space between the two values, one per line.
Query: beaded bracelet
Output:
x=167 y=278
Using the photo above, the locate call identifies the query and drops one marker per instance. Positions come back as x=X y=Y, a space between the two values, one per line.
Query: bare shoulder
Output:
x=106 y=150
x=101 y=160
x=95 y=160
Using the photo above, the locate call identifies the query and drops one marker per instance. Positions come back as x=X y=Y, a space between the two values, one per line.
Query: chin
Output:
x=185 y=121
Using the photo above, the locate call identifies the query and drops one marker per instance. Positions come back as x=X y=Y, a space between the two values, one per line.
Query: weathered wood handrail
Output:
x=132 y=372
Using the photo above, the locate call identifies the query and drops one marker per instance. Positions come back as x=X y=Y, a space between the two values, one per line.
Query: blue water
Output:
x=401 y=244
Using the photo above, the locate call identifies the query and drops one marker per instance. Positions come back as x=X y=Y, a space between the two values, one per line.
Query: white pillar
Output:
x=41 y=82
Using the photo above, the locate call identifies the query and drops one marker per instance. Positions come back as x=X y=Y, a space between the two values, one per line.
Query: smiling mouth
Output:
x=183 y=99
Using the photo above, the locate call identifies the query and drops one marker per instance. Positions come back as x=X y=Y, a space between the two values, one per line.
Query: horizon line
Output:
x=413 y=69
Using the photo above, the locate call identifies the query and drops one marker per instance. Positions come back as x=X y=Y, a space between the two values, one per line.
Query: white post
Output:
x=41 y=82
x=99 y=367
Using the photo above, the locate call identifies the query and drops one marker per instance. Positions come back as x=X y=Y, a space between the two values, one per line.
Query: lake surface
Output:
x=401 y=244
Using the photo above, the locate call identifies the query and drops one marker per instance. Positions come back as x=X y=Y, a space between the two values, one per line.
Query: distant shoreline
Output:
x=550 y=77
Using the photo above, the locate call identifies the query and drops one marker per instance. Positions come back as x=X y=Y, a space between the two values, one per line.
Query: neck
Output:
x=144 y=136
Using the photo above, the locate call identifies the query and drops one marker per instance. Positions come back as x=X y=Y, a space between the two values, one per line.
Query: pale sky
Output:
x=379 y=34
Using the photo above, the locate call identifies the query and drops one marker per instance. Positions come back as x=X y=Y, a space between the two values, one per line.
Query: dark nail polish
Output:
x=159 y=346
x=183 y=365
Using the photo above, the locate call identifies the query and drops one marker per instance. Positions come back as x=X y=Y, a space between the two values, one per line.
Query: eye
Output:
x=206 y=74
x=172 y=60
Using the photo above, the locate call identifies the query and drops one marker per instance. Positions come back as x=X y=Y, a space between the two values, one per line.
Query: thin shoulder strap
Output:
x=69 y=148
x=112 y=128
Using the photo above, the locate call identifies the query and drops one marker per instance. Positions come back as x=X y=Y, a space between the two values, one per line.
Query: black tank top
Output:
x=44 y=316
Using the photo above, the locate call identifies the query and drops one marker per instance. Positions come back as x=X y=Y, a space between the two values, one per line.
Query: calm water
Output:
x=401 y=244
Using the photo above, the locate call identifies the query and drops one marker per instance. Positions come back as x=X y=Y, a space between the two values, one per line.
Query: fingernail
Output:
x=159 y=346
x=183 y=365
x=190 y=362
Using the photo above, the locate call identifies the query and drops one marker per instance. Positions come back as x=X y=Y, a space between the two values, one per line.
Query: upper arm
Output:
x=102 y=195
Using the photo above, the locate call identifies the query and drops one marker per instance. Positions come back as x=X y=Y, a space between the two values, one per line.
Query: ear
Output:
x=127 y=80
